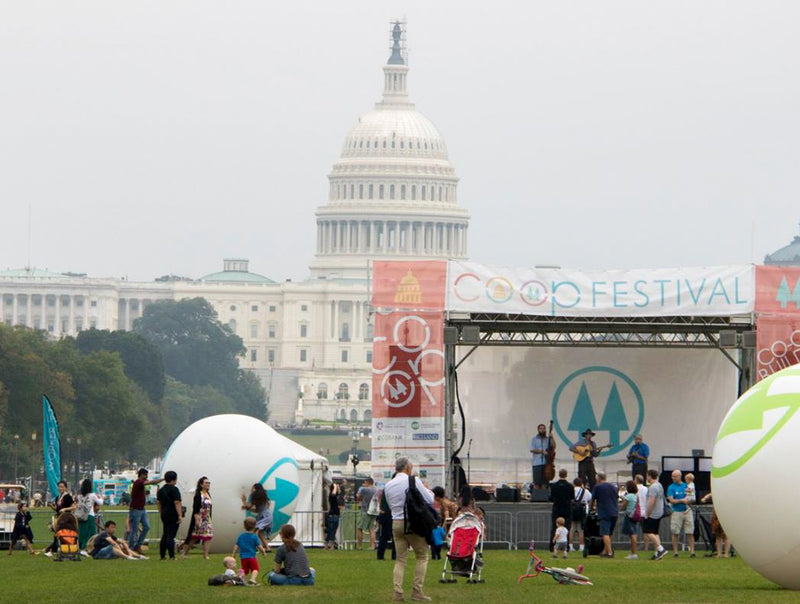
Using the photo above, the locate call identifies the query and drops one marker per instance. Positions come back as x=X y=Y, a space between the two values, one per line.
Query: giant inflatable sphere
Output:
x=234 y=452
x=754 y=477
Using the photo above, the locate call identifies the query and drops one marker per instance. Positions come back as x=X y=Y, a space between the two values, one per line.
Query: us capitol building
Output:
x=393 y=194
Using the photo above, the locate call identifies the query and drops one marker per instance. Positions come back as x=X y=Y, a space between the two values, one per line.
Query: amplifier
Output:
x=480 y=495
x=507 y=494
x=540 y=495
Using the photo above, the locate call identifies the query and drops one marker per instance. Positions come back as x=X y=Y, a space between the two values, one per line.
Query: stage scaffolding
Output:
x=733 y=336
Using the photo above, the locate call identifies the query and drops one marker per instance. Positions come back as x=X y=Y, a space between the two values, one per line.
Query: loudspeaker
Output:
x=480 y=495
x=451 y=335
x=540 y=495
x=507 y=494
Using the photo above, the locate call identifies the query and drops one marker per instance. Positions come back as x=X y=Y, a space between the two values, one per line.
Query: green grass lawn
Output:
x=354 y=576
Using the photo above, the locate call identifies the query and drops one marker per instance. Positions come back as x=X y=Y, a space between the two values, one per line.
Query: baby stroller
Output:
x=563 y=576
x=66 y=538
x=465 y=555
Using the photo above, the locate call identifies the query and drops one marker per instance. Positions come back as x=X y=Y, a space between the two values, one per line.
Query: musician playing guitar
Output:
x=585 y=450
x=637 y=457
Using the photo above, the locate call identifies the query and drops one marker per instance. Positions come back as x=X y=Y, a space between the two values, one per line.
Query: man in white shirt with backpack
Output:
x=395 y=494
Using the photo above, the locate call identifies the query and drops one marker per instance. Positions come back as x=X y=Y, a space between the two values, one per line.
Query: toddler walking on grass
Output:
x=247 y=545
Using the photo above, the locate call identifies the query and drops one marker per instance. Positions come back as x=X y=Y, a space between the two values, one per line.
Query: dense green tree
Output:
x=184 y=405
x=199 y=351
x=112 y=414
x=26 y=374
x=141 y=359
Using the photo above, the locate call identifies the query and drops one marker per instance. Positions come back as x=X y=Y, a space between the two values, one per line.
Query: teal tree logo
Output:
x=787 y=296
x=602 y=391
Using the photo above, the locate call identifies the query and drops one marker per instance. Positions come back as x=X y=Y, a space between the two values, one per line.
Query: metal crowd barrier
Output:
x=512 y=530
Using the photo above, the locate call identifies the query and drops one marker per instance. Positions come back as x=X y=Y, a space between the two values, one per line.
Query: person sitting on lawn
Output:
x=22 y=529
x=247 y=545
x=107 y=546
x=291 y=562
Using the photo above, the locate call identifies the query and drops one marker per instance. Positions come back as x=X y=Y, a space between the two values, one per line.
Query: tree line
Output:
x=124 y=395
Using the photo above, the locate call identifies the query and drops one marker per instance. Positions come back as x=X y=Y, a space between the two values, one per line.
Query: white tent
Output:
x=308 y=517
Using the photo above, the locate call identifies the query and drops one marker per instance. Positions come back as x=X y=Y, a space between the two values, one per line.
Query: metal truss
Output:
x=527 y=330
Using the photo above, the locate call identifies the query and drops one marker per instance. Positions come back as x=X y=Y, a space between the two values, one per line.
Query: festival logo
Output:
x=598 y=392
x=755 y=419
x=777 y=289
x=281 y=490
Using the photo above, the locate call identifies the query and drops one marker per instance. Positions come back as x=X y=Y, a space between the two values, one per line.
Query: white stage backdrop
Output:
x=675 y=398
x=698 y=291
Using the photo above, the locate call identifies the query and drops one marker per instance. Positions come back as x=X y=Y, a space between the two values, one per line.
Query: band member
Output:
x=586 y=471
x=637 y=457
x=539 y=446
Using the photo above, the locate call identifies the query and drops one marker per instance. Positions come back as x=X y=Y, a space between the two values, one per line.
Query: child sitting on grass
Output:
x=291 y=562
x=247 y=545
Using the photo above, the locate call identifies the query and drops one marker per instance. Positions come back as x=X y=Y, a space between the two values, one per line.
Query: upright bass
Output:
x=550 y=456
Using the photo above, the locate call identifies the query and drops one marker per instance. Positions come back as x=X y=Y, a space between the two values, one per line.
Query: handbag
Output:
x=374 y=507
x=667 y=506
x=438 y=536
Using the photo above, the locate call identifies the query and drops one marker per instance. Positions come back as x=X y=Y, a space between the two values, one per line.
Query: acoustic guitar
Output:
x=582 y=452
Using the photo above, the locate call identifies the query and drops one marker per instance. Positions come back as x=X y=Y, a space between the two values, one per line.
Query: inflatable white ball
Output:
x=753 y=477
x=234 y=452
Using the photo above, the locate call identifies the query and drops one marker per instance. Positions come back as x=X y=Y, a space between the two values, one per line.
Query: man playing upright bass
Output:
x=539 y=446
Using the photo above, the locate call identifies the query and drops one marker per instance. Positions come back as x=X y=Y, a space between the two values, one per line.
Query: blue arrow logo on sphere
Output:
x=284 y=493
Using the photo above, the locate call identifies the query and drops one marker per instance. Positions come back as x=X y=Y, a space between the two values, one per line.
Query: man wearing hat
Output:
x=586 y=471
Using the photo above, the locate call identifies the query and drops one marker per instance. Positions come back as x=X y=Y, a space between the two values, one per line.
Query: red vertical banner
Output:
x=778 y=322
x=408 y=368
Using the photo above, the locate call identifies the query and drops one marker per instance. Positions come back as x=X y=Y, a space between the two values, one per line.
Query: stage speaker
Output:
x=749 y=339
x=727 y=339
x=507 y=494
x=471 y=334
x=480 y=495
x=450 y=335
x=540 y=495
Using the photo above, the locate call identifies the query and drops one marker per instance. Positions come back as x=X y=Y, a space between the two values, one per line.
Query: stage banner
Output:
x=778 y=340
x=675 y=398
x=777 y=290
x=408 y=369
x=700 y=291
x=778 y=321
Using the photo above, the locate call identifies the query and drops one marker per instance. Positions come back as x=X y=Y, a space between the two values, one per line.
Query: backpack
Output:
x=577 y=506
x=83 y=508
x=636 y=514
x=420 y=519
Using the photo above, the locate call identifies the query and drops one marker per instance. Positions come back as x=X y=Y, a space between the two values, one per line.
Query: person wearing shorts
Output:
x=247 y=544
x=655 y=511
x=682 y=518
x=366 y=521
x=604 y=498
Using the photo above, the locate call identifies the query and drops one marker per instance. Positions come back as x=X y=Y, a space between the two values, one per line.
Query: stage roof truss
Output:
x=600 y=332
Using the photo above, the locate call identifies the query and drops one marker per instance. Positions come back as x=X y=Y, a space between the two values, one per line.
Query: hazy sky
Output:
x=156 y=137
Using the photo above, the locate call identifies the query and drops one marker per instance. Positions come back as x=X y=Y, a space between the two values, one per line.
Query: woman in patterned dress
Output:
x=201 y=530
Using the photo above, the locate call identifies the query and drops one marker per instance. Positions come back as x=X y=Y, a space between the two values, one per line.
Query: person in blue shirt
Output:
x=539 y=446
x=682 y=518
x=247 y=544
x=637 y=457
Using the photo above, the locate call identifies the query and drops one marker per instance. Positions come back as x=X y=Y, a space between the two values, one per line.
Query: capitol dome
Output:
x=393 y=191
